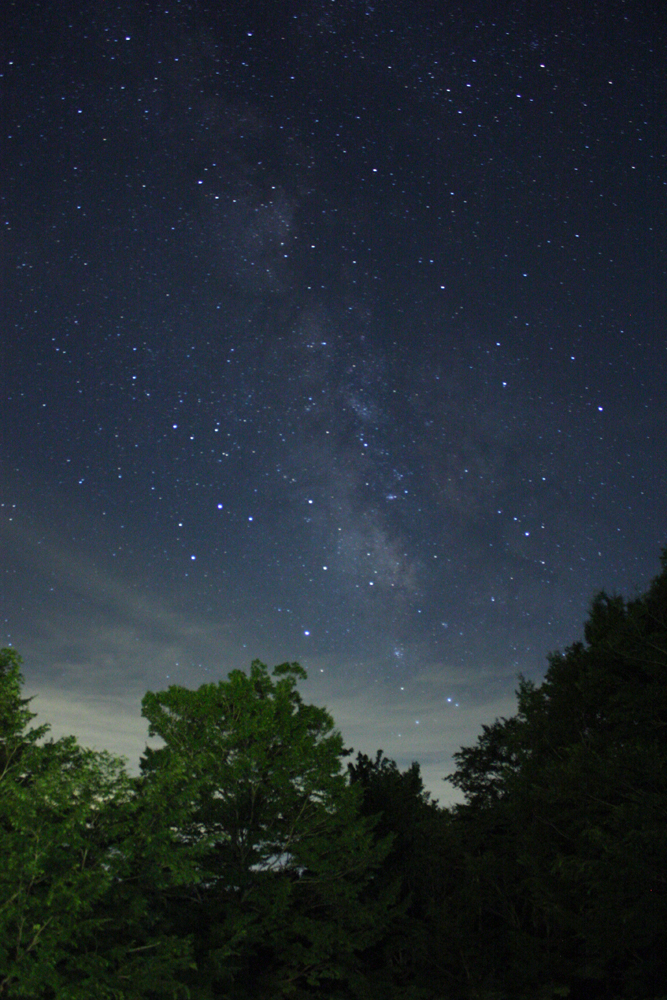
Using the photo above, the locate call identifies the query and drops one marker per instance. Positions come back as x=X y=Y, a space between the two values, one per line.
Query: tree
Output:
x=15 y=716
x=567 y=809
x=67 y=842
x=406 y=962
x=253 y=778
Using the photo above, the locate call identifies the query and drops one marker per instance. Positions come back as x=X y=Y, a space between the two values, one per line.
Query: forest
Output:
x=254 y=857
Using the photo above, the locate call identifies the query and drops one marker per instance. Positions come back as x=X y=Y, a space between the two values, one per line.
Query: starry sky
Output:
x=332 y=332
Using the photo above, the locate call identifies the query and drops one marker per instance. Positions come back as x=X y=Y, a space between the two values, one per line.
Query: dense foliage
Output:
x=73 y=922
x=247 y=861
x=283 y=859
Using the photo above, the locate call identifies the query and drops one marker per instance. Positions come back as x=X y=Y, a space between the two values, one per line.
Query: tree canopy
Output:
x=567 y=804
x=283 y=855
x=248 y=859
x=67 y=839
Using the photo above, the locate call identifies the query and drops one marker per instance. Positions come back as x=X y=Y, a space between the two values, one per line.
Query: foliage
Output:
x=283 y=856
x=245 y=861
x=65 y=835
x=405 y=963
x=15 y=716
x=567 y=810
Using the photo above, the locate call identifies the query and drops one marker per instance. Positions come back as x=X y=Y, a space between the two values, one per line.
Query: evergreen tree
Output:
x=66 y=842
x=567 y=812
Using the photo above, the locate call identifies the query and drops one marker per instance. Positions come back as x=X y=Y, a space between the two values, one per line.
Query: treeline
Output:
x=251 y=859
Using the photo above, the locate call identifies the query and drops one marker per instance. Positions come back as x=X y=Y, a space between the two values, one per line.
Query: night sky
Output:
x=331 y=332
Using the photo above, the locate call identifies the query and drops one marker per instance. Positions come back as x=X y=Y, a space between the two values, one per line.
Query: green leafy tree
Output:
x=72 y=924
x=281 y=903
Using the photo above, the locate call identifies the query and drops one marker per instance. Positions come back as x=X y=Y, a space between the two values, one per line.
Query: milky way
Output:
x=332 y=333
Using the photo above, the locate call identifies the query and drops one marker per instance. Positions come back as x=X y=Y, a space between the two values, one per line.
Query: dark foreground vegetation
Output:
x=247 y=862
